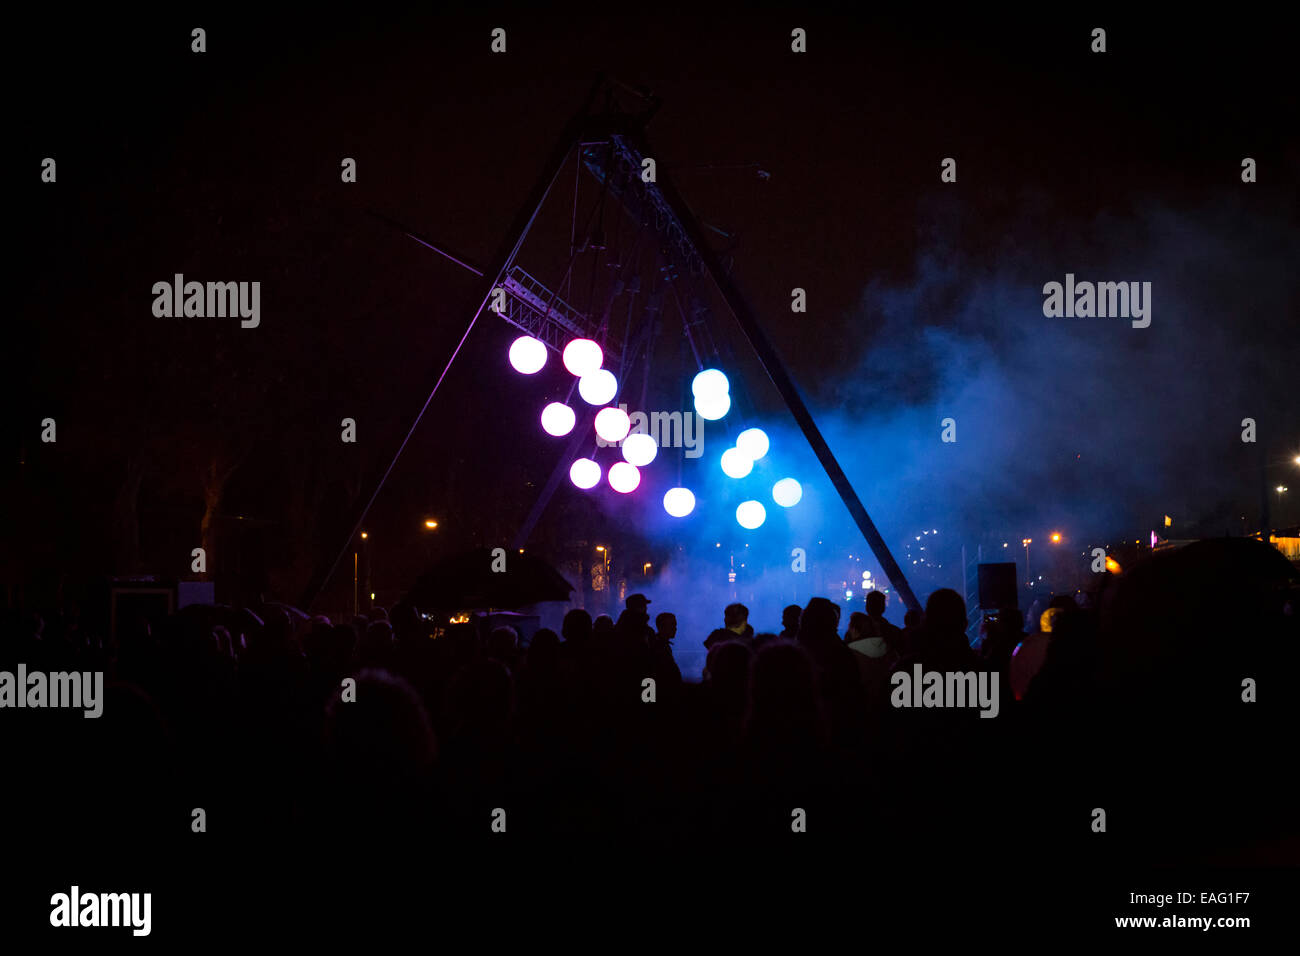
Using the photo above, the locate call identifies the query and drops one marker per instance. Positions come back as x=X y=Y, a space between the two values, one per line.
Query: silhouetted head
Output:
x=790 y=617
x=502 y=643
x=544 y=649
x=735 y=616
x=383 y=735
x=783 y=699
x=945 y=612
x=727 y=667
x=876 y=603
x=577 y=626
x=857 y=626
x=913 y=618
x=666 y=625
x=819 y=620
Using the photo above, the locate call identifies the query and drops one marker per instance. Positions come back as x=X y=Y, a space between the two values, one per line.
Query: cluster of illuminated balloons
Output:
x=598 y=386
x=584 y=359
x=712 y=393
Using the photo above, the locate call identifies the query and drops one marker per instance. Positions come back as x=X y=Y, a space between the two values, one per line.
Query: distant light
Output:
x=753 y=442
x=1056 y=537
x=558 y=419
x=712 y=407
x=736 y=464
x=1281 y=488
x=711 y=383
x=848 y=595
x=640 y=449
x=612 y=424
x=527 y=354
x=624 y=477
x=430 y=524
x=679 y=502
x=787 y=492
x=598 y=387
x=582 y=357
x=364 y=535
x=751 y=514
x=584 y=473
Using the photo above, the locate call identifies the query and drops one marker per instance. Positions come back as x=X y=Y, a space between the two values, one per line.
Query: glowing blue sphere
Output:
x=709 y=384
x=751 y=514
x=787 y=492
x=679 y=502
x=712 y=407
x=736 y=464
x=753 y=442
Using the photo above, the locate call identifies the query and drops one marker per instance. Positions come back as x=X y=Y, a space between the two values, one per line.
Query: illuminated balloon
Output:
x=584 y=473
x=598 y=387
x=709 y=384
x=679 y=502
x=751 y=514
x=787 y=492
x=623 y=477
x=558 y=419
x=527 y=354
x=736 y=464
x=582 y=357
x=639 y=449
x=712 y=407
x=612 y=424
x=753 y=442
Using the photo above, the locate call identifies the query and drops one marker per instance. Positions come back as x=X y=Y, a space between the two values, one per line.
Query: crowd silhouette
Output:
x=1130 y=700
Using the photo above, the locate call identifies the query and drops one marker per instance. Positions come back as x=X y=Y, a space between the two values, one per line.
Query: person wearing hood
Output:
x=874 y=654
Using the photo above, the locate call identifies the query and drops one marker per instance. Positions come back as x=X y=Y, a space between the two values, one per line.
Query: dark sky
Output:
x=225 y=165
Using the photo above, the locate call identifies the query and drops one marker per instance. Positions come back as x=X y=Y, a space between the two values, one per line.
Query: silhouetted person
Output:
x=790 y=622
x=735 y=619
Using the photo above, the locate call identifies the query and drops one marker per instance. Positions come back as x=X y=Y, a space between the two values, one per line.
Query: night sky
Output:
x=924 y=297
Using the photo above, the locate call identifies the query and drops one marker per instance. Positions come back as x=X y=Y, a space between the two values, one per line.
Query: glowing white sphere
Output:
x=598 y=387
x=558 y=419
x=753 y=442
x=736 y=464
x=712 y=407
x=679 y=502
x=584 y=473
x=612 y=424
x=709 y=384
x=623 y=477
x=639 y=449
x=582 y=357
x=527 y=354
x=787 y=492
x=751 y=514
